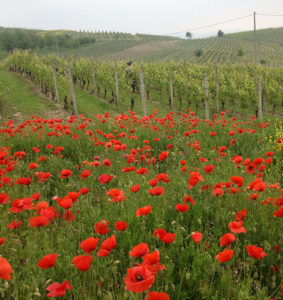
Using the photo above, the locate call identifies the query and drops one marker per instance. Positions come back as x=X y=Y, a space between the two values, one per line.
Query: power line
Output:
x=270 y=15
x=212 y=25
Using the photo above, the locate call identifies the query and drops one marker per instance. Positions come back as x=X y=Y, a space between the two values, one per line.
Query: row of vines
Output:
x=234 y=85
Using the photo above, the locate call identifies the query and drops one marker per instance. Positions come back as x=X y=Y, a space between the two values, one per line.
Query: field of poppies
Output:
x=123 y=207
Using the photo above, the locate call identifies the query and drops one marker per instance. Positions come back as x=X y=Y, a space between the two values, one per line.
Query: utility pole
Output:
x=255 y=50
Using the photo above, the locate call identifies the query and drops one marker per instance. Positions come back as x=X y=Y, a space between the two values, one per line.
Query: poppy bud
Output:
x=188 y=275
x=6 y=285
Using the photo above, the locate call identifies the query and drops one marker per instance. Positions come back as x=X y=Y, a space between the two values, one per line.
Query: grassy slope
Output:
x=215 y=50
x=19 y=99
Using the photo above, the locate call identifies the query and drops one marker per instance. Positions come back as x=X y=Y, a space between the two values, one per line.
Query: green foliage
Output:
x=198 y=52
x=240 y=52
x=220 y=33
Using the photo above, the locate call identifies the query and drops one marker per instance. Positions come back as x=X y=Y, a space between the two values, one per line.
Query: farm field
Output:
x=116 y=206
x=142 y=47
x=181 y=201
x=141 y=150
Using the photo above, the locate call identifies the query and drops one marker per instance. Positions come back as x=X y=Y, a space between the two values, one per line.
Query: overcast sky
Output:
x=139 y=16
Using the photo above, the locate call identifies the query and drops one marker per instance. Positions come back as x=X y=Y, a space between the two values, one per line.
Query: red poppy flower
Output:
x=208 y=168
x=74 y=196
x=65 y=173
x=142 y=171
x=237 y=227
x=101 y=227
x=256 y=252
x=224 y=256
x=153 y=182
x=139 y=250
x=238 y=180
x=23 y=181
x=160 y=232
x=278 y=213
x=157 y=191
x=151 y=258
x=121 y=225
x=251 y=168
x=38 y=221
x=85 y=174
x=89 y=244
x=143 y=211
x=190 y=199
x=157 y=296
x=260 y=187
x=194 y=179
x=2 y=240
x=163 y=177
x=66 y=202
x=84 y=191
x=117 y=195
x=57 y=289
x=82 y=262
x=48 y=261
x=196 y=236
x=69 y=216
x=18 y=205
x=163 y=155
x=168 y=238
x=139 y=279
x=105 y=178
x=241 y=215
x=107 y=162
x=180 y=207
x=107 y=246
x=32 y=166
x=5 y=269
x=135 y=188
x=4 y=198
x=227 y=239
x=15 y=224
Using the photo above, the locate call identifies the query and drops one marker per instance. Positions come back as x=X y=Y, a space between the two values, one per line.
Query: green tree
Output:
x=198 y=53
x=189 y=35
x=220 y=33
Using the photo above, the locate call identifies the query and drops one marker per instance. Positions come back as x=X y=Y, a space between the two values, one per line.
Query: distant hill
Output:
x=231 y=48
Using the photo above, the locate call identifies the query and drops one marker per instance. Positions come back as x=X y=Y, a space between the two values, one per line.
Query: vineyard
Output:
x=172 y=85
x=143 y=180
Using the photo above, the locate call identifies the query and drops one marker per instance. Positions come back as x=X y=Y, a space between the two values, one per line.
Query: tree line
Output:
x=31 y=39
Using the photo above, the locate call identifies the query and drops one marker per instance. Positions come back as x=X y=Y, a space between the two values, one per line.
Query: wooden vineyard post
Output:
x=259 y=99
x=264 y=93
x=171 y=91
x=93 y=80
x=217 y=89
x=72 y=91
x=117 y=84
x=142 y=92
x=206 y=97
x=55 y=83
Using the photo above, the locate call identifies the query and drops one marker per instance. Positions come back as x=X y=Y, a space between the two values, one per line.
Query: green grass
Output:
x=19 y=98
